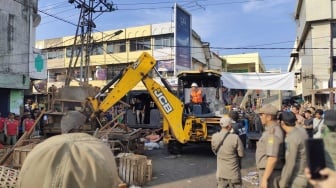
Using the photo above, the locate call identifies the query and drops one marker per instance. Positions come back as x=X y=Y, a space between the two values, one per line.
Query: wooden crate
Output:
x=149 y=170
x=20 y=154
x=4 y=150
x=133 y=169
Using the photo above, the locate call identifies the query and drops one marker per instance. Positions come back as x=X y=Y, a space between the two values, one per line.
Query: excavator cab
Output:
x=209 y=82
x=200 y=121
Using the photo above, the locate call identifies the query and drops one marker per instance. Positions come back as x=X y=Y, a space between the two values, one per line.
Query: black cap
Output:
x=308 y=111
x=330 y=118
x=288 y=118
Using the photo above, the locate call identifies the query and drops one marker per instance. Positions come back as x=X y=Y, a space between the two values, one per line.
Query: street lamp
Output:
x=112 y=35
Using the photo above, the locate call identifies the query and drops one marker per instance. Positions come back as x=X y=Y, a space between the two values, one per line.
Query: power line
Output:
x=52 y=6
x=56 y=17
x=223 y=48
x=171 y=46
x=167 y=2
x=268 y=48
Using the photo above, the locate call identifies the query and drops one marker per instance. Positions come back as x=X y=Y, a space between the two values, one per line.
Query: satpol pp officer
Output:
x=270 y=148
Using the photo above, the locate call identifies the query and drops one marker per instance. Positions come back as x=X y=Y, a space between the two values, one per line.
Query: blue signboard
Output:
x=182 y=39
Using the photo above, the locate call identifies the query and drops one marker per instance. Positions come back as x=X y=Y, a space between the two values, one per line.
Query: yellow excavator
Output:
x=180 y=126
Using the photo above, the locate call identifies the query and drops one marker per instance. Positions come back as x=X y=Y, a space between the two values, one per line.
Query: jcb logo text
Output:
x=163 y=101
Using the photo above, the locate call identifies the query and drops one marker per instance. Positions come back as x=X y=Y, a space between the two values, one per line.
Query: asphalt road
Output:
x=195 y=168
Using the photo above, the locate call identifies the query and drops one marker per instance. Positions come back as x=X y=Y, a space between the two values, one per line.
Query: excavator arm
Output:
x=133 y=74
x=169 y=105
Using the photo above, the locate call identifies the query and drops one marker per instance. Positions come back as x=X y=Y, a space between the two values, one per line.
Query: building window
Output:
x=56 y=75
x=334 y=64
x=333 y=30
x=96 y=49
x=76 y=51
x=140 y=44
x=116 y=47
x=10 y=32
x=114 y=70
x=166 y=41
x=54 y=54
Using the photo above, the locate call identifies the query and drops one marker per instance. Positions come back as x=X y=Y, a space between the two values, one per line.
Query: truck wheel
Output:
x=174 y=147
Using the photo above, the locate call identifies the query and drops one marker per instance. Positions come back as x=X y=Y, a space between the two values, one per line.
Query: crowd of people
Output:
x=281 y=158
x=13 y=126
x=281 y=151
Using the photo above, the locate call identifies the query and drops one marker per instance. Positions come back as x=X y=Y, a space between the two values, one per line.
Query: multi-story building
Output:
x=18 y=64
x=113 y=50
x=242 y=63
x=314 y=55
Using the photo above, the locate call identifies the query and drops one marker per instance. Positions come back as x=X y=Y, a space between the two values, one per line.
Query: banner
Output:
x=262 y=81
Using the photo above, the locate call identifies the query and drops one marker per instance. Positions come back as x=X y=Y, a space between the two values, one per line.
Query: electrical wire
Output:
x=190 y=6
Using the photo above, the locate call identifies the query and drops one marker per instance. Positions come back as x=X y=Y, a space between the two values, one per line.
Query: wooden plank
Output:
x=110 y=122
x=149 y=170
x=124 y=103
x=69 y=100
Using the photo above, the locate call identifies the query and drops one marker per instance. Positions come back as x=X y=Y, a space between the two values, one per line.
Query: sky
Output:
x=230 y=26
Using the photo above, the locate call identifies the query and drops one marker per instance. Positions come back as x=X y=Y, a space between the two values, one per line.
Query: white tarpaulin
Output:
x=262 y=81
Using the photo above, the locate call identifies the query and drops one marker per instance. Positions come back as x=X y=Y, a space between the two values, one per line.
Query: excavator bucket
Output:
x=66 y=110
x=72 y=121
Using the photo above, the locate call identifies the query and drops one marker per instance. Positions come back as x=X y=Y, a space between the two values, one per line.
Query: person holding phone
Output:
x=328 y=136
x=328 y=182
x=292 y=174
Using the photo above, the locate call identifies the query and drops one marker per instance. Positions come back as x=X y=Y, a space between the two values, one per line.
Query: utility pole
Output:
x=85 y=26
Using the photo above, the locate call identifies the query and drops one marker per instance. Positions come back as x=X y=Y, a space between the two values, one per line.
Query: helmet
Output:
x=194 y=84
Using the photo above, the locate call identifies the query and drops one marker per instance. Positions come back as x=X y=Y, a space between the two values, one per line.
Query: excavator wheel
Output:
x=174 y=147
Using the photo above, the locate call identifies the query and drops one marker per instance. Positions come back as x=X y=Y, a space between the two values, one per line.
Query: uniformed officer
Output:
x=229 y=149
x=68 y=161
x=292 y=174
x=329 y=138
x=270 y=148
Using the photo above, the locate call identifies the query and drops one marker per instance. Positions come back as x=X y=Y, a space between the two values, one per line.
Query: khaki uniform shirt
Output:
x=329 y=139
x=271 y=143
x=292 y=174
x=228 y=155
